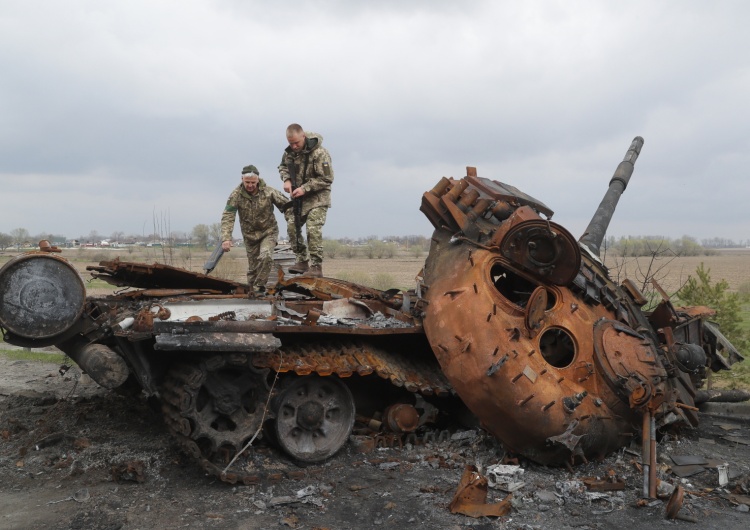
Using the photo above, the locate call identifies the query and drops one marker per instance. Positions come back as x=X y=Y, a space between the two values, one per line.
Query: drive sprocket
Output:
x=214 y=406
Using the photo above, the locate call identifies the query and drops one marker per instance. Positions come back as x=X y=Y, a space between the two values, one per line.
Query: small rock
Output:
x=546 y=497
x=464 y=435
x=742 y=508
x=286 y=499
x=304 y=492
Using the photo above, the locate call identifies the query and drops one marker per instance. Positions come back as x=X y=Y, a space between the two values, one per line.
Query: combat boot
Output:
x=316 y=271
x=299 y=268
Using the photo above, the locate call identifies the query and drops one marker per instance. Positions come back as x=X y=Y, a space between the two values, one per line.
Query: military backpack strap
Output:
x=304 y=167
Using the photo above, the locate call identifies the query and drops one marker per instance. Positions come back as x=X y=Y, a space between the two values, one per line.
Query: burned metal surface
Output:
x=41 y=296
x=206 y=349
x=158 y=276
x=564 y=376
x=471 y=497
x=512 y=314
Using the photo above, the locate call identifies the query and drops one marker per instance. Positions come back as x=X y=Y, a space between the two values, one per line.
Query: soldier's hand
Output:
x=299 y=192
x=288 y=186
x=226 y=246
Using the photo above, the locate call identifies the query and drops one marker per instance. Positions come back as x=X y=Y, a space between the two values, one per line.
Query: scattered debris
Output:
x=611 y=483
x=82 y=495
x=505 y=477
x=471 y=497
x=675 y=505
x=722 y=396
x=129 y=471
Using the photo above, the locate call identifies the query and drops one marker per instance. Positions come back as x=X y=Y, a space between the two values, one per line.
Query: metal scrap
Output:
x=471 y=497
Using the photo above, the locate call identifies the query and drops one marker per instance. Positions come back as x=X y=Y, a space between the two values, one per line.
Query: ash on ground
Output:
x=76 y=456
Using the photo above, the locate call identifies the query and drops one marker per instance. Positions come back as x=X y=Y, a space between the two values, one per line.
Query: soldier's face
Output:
x=296 y=141
x=251 y=184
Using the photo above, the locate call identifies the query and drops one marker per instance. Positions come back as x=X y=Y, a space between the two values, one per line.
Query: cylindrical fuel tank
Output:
x=41 y=296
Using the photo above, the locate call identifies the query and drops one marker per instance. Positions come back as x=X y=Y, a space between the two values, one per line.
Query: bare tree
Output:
x=214 y=233
x=20 y=236
x=6 y=240
x=200 y=235
x=94 y=237
x=162 y=227
x=117 y=237
x=654 y=267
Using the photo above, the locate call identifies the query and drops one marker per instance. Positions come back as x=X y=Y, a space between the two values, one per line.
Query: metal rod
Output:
x=646 y=448
x=652 y=454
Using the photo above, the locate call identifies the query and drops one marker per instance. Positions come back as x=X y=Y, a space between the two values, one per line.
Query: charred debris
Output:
x=512 y=318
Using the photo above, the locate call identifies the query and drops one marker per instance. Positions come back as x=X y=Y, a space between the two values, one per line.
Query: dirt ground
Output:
x=732 y=265
x=72 y=455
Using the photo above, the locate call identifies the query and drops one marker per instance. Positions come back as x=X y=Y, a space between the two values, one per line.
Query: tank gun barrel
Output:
x=594 y=235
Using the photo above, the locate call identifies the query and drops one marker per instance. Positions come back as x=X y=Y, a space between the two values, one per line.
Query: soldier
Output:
x=254 y=201
x=307 y=174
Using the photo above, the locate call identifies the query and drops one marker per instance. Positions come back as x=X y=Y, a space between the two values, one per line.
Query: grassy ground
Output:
x=32 y=355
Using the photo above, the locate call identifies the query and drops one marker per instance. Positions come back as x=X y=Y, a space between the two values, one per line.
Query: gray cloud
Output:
x=114 y=111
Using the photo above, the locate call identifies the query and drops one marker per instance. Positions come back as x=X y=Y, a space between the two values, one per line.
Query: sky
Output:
x=126 y=116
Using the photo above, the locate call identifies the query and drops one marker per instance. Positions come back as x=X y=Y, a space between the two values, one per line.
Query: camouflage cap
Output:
x=251 y=169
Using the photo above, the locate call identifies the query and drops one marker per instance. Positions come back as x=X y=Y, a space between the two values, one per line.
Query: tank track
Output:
x=325 y=358
x=346 y=358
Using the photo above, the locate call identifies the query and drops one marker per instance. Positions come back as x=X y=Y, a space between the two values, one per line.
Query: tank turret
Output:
x=553 y=357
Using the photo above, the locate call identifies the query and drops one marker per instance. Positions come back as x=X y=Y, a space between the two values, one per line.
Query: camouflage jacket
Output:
x=314 y=172
x=255 y=211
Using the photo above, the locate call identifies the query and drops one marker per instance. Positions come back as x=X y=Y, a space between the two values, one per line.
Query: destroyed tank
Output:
x=511 y=317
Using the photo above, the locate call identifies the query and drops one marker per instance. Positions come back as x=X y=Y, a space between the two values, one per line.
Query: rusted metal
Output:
x=100 y=362
x=158 y=276
x=674 y=505
x=347 y=358
x=45 y=246
x=401 y=418
x=588 y=363
x=511 y=313
x=471 y=497
x=608 y=484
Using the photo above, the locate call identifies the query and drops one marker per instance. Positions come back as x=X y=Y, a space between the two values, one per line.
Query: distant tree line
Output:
x=634 y=246
x=372 y=246
x=202 y=236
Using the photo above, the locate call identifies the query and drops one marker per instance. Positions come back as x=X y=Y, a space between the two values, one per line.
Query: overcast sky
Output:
x=114 y=114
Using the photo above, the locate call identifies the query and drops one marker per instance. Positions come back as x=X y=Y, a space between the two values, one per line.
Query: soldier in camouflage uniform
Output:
x=314 y=176
x=254 y=201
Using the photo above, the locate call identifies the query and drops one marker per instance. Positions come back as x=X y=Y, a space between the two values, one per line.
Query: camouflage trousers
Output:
x=313 y=250
x=260 y=259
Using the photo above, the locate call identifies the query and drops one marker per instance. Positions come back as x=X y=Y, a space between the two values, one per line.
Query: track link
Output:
x=346 y=358
x=213 y=448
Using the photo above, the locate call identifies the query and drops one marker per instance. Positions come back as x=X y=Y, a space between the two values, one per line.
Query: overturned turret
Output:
x=554 y=358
